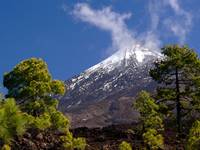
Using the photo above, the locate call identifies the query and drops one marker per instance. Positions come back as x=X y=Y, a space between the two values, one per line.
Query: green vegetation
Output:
x=153 y=139
x=194 y=136
x=178 y=76
x=148 y=109
x=13 y=122
x=151 y=121
x=125 y=146
x=6 y=147
x=71 y=143
x=177 y=96
x=31 y=85
x=30 y=107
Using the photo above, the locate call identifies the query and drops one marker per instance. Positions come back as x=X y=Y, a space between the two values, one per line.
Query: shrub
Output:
x=13 y=122
x=79 y=143
x=194 y=137
x=153 y=140
x=6 y=147
x=125 y=146
x=71 y=143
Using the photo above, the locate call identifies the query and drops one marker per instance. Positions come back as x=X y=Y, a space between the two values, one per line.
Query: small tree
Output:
x=151 y=120
x=125 y=146
x=31 y=84
x=148 y=110
x=178 y=76
x=194 y=137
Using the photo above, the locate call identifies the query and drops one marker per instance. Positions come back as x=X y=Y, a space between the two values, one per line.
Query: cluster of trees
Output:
x=176 y=101
x=30 y=104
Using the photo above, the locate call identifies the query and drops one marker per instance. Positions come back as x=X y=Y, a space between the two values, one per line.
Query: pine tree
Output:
x=31 y=84
x=151 y=120
x=178 y=76
x=148 y=110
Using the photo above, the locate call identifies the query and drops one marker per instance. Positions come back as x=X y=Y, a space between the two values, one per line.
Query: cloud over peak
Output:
x=176 y=24
x=107 y=20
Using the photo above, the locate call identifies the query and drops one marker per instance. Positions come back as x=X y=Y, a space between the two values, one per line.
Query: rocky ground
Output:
x=109 y=138
x=105 y=138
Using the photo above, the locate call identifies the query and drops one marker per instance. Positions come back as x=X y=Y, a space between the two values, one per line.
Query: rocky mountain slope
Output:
x=103 y=94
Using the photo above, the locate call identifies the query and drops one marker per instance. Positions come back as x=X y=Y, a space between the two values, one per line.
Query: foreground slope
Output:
x=103 y=94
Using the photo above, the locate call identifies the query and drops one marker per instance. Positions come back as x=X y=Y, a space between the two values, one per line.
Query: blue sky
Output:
x=72 y=35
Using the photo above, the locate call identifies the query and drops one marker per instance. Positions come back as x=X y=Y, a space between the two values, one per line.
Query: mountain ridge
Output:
x=117 y=79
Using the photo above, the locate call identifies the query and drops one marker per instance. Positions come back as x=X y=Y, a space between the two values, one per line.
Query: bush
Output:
x=153 y=140
x=6 y=147
x=71 y=143
x=79 y=143
x=194 y=137
x=13 y=122
x=125 y=146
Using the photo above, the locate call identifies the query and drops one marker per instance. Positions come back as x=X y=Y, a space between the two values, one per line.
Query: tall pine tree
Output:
x=178 y=77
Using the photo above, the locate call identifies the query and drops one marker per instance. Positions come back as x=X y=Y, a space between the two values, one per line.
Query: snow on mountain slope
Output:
x=137 y=53
x=96 y=91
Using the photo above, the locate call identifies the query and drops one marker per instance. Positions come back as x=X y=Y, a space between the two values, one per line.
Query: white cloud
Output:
x=175 y=5
x=180 y=23
x=108 y=20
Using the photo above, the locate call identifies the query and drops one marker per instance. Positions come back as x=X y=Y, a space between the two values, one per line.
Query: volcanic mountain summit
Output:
x=103 y=94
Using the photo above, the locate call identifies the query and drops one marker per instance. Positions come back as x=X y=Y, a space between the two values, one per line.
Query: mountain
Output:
x=103 y=94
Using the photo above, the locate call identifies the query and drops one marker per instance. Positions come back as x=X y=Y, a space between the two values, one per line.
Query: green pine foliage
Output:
x=194 y=136
x=152 y=122
x=71 y=143
x=42 y=122
x=58 y=121
x=153 y=139
x=79 y=143
x=6 y=147
x=29 y=82
x=125 y=146
x=13 y=122
x=149 y=115
x=178 y=78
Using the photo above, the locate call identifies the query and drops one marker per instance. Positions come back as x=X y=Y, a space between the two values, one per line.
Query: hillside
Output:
x=103 y=94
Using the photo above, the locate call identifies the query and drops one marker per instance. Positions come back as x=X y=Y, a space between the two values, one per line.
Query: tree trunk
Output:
x=178 y=104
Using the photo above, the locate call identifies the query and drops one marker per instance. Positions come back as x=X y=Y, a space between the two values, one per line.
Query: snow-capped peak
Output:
x=137 y=53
